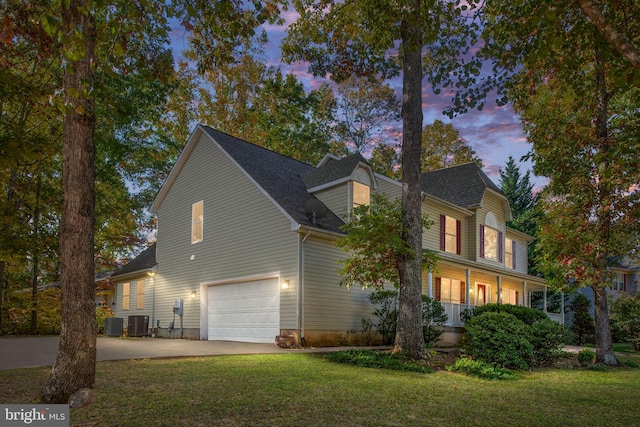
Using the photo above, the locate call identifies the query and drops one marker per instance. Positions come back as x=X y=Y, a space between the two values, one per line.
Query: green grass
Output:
x=309 y=390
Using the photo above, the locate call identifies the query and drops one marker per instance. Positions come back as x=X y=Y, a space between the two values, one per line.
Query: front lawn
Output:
x=309 y=390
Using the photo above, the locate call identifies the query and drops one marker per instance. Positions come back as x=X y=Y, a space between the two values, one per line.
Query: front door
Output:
x=481 y=295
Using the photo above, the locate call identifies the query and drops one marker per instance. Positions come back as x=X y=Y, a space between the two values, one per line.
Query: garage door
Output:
x=247 y=312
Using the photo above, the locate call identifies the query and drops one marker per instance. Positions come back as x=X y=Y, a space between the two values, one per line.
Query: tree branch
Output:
x=616 y=39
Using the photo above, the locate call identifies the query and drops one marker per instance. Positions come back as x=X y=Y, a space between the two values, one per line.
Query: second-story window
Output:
x=450 y=235
x=197 y=222
x=361 y=194
x=510 y=253
x=490 y=239
x=619 y=283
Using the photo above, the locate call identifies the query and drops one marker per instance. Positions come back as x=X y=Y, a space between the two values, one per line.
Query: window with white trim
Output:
x=140 y=294
x=619 y=282
x=450 y=240
x=126 y=295
x=450 y=290
x=490 y=239
x=510 y=253
x=509 y=296
x=361 y=194
x=197 y=222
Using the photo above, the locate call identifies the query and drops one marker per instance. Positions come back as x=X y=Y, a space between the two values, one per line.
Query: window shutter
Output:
x=463 y=293
x=458 y=238
x=500 y=246
x=443 y=228
x=517 y=298
x=624 y=281
x=438 y=288
x=513 y=253
x=481 y=240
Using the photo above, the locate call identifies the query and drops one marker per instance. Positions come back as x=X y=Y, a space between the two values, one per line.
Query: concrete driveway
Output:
x=25 y=352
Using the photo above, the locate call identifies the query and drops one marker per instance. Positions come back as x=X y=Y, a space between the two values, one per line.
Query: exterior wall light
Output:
x=193 y=294
x=285 y=284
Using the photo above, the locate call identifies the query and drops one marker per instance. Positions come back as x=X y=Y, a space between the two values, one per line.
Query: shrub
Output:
x=547 y=337
x=499 y=339
x=583 y=327
x=434 y=318
x=527 y=315
x=480 y=369
x=386 y=311
x=101 y=315
x=377 y=359
x=625 y=316
x=586 y=357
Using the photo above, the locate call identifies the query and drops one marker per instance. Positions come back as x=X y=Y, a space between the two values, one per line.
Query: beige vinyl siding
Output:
x=327 y=305
x=431 y=237
x=521 y=254
x=336 y=199
x=246 y=235
x=135 y=285
x=390 y=189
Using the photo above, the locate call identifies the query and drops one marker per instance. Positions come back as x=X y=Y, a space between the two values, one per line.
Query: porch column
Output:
x=544 y=299
x=430 y=284
x=498 y=281
x=468 y=287
x=524 y=294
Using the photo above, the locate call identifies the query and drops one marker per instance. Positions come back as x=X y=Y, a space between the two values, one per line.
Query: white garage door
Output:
x=247 y=312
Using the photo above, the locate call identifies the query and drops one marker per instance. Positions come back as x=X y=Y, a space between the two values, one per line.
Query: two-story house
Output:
x=246 y=243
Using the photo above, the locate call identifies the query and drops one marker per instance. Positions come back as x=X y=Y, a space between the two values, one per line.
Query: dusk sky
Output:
x=495 y=133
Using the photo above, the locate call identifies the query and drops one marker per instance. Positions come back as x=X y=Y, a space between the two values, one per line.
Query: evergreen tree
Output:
x=583 y=326
x=524 y=205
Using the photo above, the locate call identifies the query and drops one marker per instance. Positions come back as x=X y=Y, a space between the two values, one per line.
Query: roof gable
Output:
x=144 y=262
x=278 y=176
x=463 y=185
x=332 y=171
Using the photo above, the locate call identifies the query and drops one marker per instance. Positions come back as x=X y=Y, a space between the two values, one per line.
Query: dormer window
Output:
x=361 y=194
x=490 y=239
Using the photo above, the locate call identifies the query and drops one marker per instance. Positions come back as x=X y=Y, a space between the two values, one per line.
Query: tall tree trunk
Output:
x=3 y=267
x=75 y=364
x=604 y=342
x=409 y=335
x=35 y=266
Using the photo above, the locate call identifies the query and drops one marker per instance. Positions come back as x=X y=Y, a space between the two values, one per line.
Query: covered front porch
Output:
x=463 y=285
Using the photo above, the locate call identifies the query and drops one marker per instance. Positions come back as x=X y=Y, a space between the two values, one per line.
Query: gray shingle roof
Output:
x=462 y=185
x=143 y=262
x=333 y=171
x=280 y=176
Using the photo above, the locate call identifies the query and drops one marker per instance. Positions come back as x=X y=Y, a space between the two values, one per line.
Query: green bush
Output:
x=527 y=315
x=499 y=339
x=386 y=312
x=547 y=338
x=480 y=369
x=586 y=357
x=625 y=317
x=434 y=318
x=377 y=359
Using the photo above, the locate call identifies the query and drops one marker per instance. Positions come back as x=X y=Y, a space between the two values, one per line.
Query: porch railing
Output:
x=454 y=312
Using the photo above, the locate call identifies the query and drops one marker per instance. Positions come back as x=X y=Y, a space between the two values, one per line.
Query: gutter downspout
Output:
x=303 y=341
